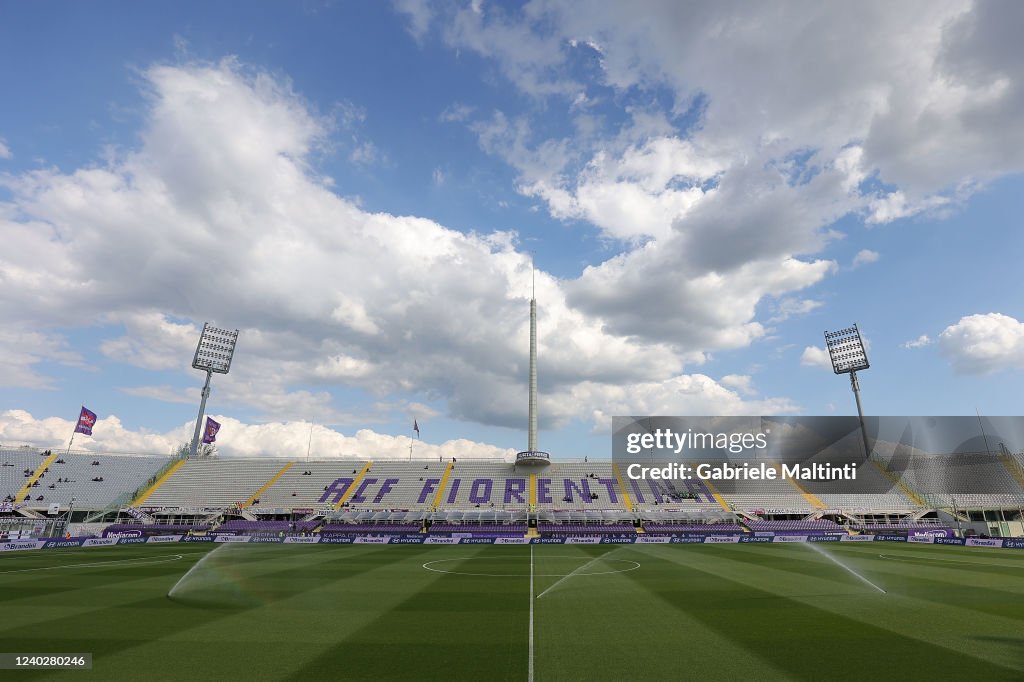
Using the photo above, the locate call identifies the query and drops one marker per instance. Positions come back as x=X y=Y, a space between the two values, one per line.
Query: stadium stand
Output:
x=154 y=529
x=479 y=497
x=94 y=481
x=693 y=528
x=801 y=525
x=672 y=496
x=385 y=528
x=213 y=483
x=77 y=474
x=495 y=485
x=968 y=480
x=774 y=494
x=399 y=485
x=325 y=483
x=583 y=528
x=580 y=486
x=18 y=465
x=480 y=530
x=923 y=524
x=244 y=527
x=885 y=495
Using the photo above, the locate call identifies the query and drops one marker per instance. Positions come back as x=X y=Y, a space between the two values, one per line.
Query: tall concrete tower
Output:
x=532 y=446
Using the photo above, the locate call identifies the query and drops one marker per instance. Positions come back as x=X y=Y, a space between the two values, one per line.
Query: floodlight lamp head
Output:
x=846 y=349
x=215 y=350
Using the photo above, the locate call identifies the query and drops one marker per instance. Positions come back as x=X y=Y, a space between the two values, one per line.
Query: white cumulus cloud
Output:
x=220 y=215
x=984 y=344
x=814 y=356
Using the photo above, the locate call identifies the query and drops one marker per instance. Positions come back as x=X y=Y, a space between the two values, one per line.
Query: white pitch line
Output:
x=430 y=567
x=141 y=561
x=918 y=557
x=530 y=676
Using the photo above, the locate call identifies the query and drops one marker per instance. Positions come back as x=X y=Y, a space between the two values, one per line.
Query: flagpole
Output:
x=309 y=443
x=67 y=453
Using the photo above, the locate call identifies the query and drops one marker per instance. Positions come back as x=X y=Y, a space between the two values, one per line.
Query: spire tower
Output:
x=532 y=445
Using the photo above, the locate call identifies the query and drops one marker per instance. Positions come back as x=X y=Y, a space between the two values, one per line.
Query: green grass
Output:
x=757 y=612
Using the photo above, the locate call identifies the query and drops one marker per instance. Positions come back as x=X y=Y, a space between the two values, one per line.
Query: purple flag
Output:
x=86 y=420
x=416 y=427
x=210 y=432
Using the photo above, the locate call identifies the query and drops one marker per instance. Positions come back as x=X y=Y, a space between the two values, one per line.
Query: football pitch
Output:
x=550 y=612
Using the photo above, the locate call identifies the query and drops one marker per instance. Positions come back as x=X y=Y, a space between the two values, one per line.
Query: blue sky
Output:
x=361 y=187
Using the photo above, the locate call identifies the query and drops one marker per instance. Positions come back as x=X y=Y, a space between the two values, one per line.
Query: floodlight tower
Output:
x=846 y=349
x=213 y=354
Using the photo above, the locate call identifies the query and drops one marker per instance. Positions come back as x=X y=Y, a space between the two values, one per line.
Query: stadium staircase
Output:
x=273 y=479
x=1012 y=466
x=913 y=496
x=718 y=496
x=354 y=486
x=36 y=475
x=442 y=486
x=626 y=501
x=811 y=498
x=138 y=501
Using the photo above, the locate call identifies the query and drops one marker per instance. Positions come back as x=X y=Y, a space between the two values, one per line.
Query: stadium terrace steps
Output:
x=322 y=487
x=574 y=480
x=1014 y=468
x=122 y=475
x=763 y=494
x=497 y=485
x=256 y=495
x=895 y=480
x=158 y=483
x=627 y=503
x=975 y=479
x=813 y=499
x=36 y=475
x=718 y=497
x=970 y=481
x=197 y=483
x=390 y=484
x=883 y=495
x=352 y=487
x=15 y=462
x=443 y=485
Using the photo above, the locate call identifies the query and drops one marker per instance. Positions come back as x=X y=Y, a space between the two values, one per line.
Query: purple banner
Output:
x=86 y=420
x=210 y=430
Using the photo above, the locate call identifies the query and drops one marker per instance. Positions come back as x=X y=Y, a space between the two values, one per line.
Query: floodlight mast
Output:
x=213 y=355
x=846 y=348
